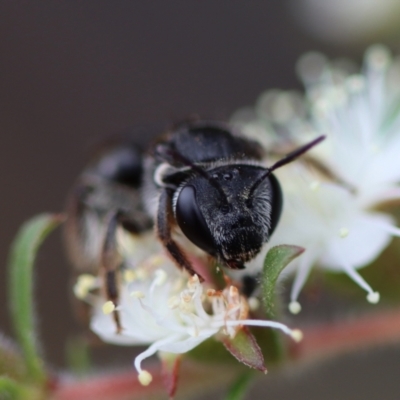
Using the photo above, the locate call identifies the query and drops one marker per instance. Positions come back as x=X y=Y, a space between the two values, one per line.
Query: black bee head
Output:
x=225 y=215
x=231 y=210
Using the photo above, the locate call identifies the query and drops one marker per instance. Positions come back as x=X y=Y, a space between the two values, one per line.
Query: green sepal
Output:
x=211 y=351
x=245 y=349
x=275 y=261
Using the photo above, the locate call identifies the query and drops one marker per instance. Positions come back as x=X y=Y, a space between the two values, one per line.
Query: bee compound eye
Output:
x=277 y=203
x=191 y=220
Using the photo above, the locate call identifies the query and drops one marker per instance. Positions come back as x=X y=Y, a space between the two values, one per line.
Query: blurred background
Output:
x=73 y=72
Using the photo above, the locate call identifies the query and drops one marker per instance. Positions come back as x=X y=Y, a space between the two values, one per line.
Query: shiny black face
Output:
x=226 y=215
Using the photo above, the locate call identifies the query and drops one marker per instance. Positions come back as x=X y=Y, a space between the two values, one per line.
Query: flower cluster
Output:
x=332 y=195
x=166 y=309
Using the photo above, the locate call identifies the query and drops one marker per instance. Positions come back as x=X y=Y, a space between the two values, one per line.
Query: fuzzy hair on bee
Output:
x=202 y=181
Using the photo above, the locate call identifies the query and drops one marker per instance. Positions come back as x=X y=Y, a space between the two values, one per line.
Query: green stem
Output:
x=20 y=269
x=241 y=385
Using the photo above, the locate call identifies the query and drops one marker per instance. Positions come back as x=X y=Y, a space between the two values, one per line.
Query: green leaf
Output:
x=245 y=349
x=10 y=389
x=241 y=385
x=20 y=269
x=275 y=261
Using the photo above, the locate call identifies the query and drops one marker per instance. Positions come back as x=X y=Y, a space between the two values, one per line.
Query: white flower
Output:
x=342 y=21
x=327 y=220
x=168 y=310
x=360 y=114
x=329 y=207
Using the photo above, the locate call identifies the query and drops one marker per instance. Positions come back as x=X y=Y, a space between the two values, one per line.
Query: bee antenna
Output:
x=179 y=157
x=286 y=160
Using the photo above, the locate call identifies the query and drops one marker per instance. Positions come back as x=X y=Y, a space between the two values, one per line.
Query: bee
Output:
x=202 y=181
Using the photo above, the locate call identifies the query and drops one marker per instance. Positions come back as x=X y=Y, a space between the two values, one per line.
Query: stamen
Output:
x=211 y=292
x=306 y=262
x=152 y=350
x=294 y=307
x=193 y=282
x=108 y=307
x=162 y=321
x=186 y=297
x=378 y=57
x=138 y=294
x=296 y=334
x=311 y=66
x=161 y=277
x=173 y=302
x=84 y=284
x=233 y=291
x=129 y=276
x=372 y=297
x=393 y=230
x=157 y=261
x=198 y=305
x=145 y=378
x=159 y=280
x=254 y=303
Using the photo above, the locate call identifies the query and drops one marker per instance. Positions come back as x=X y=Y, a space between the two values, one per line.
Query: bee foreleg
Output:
x=164 y=223
x=110 y=262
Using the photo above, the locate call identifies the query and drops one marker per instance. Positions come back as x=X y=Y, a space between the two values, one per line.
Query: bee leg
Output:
x=110 y=262
x=164 y=223
x=250 y=284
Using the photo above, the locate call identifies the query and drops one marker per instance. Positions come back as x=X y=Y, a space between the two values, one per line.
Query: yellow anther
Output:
x=294 y=307
x=108 y=307
x=297 y=335
x=145 y=378
x=254 y=303
x=373 y=297
x=156 y=261
x=138 y=294
x=84 y=284
x=129 y=275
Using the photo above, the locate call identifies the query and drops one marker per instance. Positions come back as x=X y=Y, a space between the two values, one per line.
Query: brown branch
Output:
x=194 y=377
x=319 y=341
x=340 y=337
x=116 y=387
